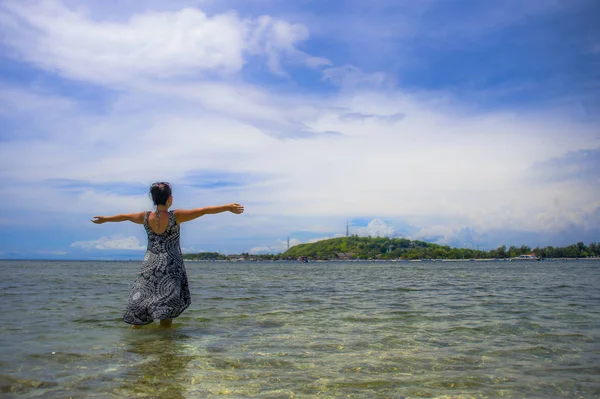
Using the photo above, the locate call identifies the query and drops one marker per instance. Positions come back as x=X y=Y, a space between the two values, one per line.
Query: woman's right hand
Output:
x=99 y=219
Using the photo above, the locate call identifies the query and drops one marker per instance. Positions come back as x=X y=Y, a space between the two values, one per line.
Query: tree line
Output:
x=371 y=248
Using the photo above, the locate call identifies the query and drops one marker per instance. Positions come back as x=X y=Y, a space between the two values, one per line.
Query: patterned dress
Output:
x=161 y=290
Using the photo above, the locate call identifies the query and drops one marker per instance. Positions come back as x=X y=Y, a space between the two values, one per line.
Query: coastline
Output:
x=389 y=260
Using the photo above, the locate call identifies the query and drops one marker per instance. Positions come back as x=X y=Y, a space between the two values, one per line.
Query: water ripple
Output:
x=282 y=330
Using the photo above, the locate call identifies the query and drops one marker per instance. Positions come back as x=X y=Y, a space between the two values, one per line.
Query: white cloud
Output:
x=51 y=252
x=265 y=249
x=360 y=117
x=375 y=228
x=149 y=44
x=280 y=247
x=192 y=250
x=445 y=234
x=16 y=100
x=187 y=42
x=350 y=77
x=276 y=39
x=111 y=243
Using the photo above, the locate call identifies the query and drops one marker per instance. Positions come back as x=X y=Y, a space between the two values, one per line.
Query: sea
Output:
x=306 y=330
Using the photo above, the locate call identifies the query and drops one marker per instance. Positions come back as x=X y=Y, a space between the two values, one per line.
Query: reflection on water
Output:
x=161 y=372
x=337 y=330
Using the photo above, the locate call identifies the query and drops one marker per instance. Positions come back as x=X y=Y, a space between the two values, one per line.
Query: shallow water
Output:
x=292 y=330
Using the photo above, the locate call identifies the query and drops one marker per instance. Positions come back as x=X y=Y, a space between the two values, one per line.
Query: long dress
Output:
x=161 y=290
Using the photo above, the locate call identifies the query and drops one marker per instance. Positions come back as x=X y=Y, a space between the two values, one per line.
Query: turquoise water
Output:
x=292 y=330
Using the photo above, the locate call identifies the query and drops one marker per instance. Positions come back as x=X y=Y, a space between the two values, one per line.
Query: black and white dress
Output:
x=161 y=290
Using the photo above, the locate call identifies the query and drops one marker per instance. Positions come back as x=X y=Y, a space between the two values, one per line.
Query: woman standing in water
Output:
x=161 y=290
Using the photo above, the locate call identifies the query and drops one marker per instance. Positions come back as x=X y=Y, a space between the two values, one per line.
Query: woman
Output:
x=161 y=290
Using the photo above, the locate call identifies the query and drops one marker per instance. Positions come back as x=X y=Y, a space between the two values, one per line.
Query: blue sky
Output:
x=468 y=123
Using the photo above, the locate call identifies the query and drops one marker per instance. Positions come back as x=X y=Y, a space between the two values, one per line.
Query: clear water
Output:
x=292 y=330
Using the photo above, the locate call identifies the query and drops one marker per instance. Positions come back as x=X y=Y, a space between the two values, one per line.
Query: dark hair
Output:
x=160 y=193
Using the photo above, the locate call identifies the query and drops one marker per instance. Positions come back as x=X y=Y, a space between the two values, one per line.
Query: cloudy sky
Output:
x=462 y=122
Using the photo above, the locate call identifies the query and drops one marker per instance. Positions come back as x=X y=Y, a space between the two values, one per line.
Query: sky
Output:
x=468 y=123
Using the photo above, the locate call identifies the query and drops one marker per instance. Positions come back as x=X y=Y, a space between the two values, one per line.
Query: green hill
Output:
x=355 y=247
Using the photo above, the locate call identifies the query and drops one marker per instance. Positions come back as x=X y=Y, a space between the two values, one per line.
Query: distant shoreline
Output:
x=388 y=260
x=250 y=259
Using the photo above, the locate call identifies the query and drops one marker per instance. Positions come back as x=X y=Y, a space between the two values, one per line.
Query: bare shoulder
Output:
x=182 y=215
x=137 y=217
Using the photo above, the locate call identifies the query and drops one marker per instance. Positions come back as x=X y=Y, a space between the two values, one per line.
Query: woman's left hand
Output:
x=236 y=208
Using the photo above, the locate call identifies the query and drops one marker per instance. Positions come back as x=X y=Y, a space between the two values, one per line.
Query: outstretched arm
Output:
x=185 y=215
x=132 y=217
